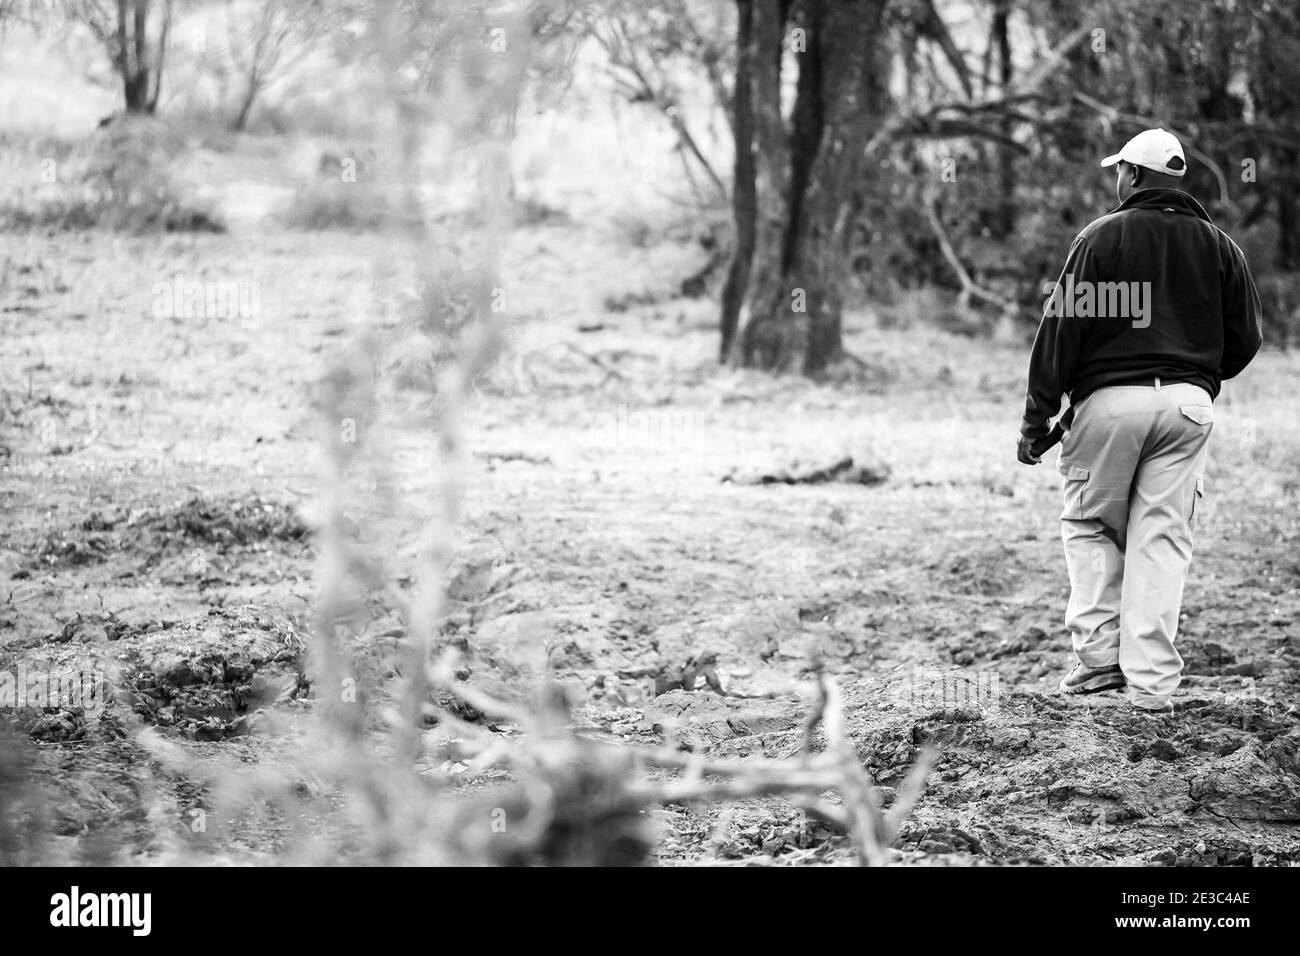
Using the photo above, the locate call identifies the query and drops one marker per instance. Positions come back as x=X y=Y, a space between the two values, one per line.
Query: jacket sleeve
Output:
x=1241 y=310
x=1056 y=346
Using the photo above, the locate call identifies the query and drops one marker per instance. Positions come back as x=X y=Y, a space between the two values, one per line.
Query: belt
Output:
x=1155 y=381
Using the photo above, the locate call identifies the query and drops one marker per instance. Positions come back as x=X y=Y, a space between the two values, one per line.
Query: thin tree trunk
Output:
x=160 y=57
x=1288 y=254
x=126 y=62
x=246 y=107
x=743 y=196
x=1006 y=223
x=139 y=36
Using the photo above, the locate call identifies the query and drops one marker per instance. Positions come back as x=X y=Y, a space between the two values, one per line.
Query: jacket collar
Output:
x=1164 y=198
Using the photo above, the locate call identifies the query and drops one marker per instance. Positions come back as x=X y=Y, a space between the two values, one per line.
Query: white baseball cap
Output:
x=1155 y=149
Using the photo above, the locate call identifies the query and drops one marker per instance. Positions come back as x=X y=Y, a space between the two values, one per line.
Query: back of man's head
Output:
x=1153 y=159
x=1150 y=179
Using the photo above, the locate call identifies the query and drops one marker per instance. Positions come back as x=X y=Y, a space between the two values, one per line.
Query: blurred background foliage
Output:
x=1015 y=99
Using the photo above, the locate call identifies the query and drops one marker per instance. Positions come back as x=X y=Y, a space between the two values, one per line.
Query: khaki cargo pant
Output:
x=1133 y=464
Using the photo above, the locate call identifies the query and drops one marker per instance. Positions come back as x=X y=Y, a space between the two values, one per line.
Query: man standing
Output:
x=1154 y=309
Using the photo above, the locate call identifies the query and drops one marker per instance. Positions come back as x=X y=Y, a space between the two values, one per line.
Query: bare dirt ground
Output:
x=158 y=480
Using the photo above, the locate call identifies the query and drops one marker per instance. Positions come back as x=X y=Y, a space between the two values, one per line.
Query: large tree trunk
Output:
x=805 y=177
x=771 y=152
x=139 y=65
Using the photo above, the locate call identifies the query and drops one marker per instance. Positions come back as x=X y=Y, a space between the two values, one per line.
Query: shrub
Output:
x=330 y=204
x=118 y=178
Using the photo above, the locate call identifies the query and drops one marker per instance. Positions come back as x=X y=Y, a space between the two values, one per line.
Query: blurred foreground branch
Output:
x=547 y=757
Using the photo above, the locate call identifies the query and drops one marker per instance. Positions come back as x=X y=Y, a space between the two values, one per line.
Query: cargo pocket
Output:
x=1201 y=414
x=1076 y=486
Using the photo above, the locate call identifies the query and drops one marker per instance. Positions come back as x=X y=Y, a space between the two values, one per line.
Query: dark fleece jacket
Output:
x=1200 y=323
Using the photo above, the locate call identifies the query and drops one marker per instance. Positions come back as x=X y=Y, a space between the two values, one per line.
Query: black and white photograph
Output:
x=652 y=433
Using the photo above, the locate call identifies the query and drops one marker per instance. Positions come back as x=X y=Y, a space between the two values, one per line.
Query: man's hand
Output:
x=1025 y=451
